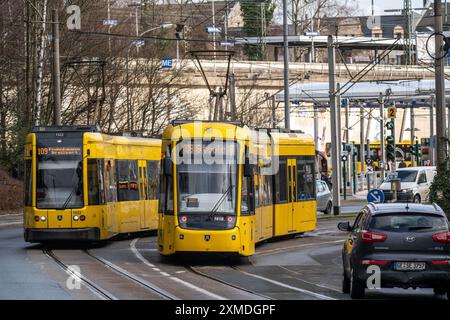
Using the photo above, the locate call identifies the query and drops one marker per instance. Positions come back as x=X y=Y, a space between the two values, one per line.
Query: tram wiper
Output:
x=69 y=198
x=221 y=199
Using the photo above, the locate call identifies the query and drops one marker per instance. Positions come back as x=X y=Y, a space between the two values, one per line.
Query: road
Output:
x=305 y=267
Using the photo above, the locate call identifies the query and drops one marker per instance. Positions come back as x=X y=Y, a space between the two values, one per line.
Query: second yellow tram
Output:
x=81 y=184
x=225 y=187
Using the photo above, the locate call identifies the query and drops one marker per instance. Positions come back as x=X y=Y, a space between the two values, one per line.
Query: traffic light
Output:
x=415 y=150
x=390 y=149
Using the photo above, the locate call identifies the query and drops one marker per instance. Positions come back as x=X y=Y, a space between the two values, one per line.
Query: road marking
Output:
x=190 y=285
x=187 y=284
x=139 y=255
x=11 y=224
x=317 y=295
x=264 y=252
x=134 y=277
x=314 y=284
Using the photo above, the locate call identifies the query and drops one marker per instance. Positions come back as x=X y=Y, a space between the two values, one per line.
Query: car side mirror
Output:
x=344 y=226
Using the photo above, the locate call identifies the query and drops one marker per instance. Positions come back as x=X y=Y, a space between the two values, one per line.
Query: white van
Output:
x=415 y=184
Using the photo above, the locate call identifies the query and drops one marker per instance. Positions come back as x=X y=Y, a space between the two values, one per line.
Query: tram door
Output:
x=143 y=193
x=292 y=193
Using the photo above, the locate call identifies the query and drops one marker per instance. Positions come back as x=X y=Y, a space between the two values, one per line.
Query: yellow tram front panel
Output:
x=89 y=209
x=264 y=213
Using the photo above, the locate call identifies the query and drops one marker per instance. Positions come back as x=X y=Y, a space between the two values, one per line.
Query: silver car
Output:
x=324 y=197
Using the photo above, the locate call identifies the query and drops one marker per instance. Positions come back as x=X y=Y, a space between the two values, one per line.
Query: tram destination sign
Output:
x=58 y=151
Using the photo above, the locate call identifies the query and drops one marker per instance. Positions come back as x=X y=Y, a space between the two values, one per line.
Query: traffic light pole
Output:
x=412 y=125
x=382 y=139
x=335 y=158
x=441 y=144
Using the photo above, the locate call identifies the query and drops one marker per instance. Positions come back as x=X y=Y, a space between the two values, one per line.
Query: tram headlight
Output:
x=76 y=218
x=43 y=218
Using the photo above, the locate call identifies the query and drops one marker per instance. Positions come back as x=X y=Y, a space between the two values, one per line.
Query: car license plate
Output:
x=409 y=266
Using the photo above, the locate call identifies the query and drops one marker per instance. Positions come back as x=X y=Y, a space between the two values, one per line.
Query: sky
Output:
x=365 y=5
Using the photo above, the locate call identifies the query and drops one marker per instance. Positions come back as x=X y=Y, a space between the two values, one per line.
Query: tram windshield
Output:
x=206 y=186
x=59 y=174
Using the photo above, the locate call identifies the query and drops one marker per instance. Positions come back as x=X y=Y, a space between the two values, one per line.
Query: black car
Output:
x=410 y=243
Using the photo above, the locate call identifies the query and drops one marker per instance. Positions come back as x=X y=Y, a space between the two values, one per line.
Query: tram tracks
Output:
x=96 y=288
x=253 y=293
x=134 y=278
x=89 y=284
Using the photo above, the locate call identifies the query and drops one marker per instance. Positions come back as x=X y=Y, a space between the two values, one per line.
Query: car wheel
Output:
x=345 y=284
x=416 y=199
x=328 y=208
x=439 y=291
x=357 y=287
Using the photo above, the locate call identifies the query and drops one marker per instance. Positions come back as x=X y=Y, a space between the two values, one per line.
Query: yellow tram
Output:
x=225 y=187
x=81 y=184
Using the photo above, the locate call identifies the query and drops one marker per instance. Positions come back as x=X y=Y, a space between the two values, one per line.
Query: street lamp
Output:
x=129 y=107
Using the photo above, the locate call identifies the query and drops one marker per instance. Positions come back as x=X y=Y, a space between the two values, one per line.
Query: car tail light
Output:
x=442 y=237
x=368 y=236
x=374 y=262
x=441 y=262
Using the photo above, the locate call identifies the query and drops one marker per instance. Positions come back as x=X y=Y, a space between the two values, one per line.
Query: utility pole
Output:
x=441 y=147
x=233 y=97
x=411 y=123
x=287 y=123
x=56 y=71
x=382 y=139
x=316 y=137
x=334 y=127
x=339 y=130
x=361 y=146
x=347 y=142
x=274 y=112
x=432 y=147
x=402 y=127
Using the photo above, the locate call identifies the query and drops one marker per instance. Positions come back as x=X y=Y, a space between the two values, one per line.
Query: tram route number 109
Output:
x=42 y=151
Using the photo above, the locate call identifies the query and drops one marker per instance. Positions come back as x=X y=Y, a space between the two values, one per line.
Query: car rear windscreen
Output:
x=408 y=222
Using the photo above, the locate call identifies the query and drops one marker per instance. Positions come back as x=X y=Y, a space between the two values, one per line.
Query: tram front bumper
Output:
x=45 y=235
x=207 y=240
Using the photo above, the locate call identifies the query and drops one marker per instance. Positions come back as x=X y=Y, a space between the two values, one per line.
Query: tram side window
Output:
x=127 y=174
x=95 y=182
x=306 y=187
x=110 y=181
x=267 y=190
x=281 y=182
x=163 y=191
x=166 y=193
x=257 y=190
x=247 y=203
x=28 y=183
x=153 y=179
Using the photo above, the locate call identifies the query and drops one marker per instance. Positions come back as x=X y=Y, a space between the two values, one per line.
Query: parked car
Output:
x=415 y=184
x=324 y=197
x=410 y=243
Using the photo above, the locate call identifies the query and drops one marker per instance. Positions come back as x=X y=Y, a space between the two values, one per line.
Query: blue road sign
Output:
x=375 y=196
x=166 y=62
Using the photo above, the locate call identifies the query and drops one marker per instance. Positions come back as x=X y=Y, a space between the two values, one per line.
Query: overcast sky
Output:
x=365 y=5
